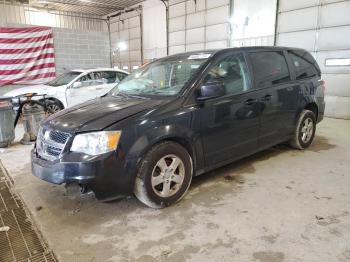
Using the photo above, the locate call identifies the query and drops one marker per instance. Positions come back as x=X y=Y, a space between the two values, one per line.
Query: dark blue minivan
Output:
x=181 y=116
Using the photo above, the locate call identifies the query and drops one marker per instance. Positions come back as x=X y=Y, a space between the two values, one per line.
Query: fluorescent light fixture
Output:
x=337 y=62
x=122 y=46
x=125 y=67
x=135 y=67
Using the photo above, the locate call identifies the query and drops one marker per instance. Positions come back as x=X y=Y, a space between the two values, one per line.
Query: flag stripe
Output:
x=25 y=35
x=29 y=73
x=26 y=50
x=24 y=40
x=26 y=45
x=23 y=66
x=26 y=55
x=25 y=60
x=23 y=30
x=28 y=78
x=25 y=70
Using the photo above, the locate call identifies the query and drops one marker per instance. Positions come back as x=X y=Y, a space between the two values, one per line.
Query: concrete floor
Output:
x=278 y=205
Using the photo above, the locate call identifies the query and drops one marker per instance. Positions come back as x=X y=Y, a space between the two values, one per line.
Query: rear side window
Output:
x=270 y=68
x=108 y=77
x=121 y=76
x=304 y=64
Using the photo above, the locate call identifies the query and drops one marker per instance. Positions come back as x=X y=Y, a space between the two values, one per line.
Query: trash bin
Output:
x=7 y=129
x=32 y=115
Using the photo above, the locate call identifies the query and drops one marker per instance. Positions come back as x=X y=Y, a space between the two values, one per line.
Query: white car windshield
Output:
x=162 y=78
x=64 y=79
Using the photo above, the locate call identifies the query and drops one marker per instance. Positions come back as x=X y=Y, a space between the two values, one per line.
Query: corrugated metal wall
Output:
x=322 y=27
x=196 y=25
x=22 y=14
x=126 y=41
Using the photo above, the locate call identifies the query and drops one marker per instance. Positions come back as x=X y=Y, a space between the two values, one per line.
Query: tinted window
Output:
x=233 y=72
x=304 y=64
x=269 y=68
x=121 y=76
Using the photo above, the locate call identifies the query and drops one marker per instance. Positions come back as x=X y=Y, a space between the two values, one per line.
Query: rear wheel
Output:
x=304 y=131
x=164 y=175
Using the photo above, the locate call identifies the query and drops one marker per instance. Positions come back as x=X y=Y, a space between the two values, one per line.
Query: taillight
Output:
x=323 y=85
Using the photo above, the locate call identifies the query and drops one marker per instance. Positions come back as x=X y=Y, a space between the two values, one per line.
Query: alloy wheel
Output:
x=307 y=130
x=168 y=176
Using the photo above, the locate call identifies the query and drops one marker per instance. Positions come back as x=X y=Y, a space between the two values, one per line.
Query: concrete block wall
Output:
x=80 y=49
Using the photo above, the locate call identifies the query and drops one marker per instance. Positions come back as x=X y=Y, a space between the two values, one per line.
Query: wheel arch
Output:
x=313 y=108
x=179 y=135
x=56 y=101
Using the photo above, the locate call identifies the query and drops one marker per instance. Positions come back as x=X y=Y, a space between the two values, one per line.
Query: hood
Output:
x=98 y=114
x=39 y=89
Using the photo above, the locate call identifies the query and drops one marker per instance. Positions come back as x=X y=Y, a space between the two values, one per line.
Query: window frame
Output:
x=215 y=62
x=293 y=68
x=288 y=63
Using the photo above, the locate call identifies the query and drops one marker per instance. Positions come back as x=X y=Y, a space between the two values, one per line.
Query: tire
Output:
x=164 y=175
x=304 y=131
x=53 y=106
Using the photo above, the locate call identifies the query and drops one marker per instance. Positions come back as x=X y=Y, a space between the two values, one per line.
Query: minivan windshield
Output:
x=163 y=77
x=64 y=79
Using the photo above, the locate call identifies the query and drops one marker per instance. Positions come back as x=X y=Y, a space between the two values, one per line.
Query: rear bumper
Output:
x=105 y=175
x=321 y=109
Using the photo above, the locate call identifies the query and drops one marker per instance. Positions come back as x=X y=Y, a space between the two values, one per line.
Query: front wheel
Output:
x=53 y=106
x=164 y=175
x=304 y=131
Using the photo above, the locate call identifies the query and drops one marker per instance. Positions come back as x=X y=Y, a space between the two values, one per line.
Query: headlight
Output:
x=96 y=143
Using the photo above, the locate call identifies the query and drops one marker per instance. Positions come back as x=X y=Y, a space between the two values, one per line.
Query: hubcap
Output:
x=53 y=108
x=168 y=176
x=307 y=130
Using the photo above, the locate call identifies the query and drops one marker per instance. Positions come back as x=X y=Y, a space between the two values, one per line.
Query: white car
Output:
x=74 y=87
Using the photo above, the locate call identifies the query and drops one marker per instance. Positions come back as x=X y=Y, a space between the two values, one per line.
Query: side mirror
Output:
x=77 y=84
x=211 y=89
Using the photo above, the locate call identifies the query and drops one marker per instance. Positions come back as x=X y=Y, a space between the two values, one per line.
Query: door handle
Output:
x=266 y=98
x=250 y=101
x=99 y=88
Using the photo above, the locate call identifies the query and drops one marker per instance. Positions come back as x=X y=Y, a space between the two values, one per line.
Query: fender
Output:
x=173 y=132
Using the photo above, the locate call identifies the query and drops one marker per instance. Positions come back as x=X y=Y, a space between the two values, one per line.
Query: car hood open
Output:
x=98 y=114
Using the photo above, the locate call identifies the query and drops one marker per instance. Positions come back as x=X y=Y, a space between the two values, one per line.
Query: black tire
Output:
x=146 y=192
x=53 y=106
x=299 y=140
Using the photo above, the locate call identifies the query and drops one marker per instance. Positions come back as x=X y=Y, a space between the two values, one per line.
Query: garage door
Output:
x=322 y=27
x=198 y=25
x=126 y=41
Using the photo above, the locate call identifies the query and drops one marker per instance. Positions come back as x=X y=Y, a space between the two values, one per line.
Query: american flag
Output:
x=26 y=55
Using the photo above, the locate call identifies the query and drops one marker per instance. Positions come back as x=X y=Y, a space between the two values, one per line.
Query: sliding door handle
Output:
x=266 y=98
x=250 y=101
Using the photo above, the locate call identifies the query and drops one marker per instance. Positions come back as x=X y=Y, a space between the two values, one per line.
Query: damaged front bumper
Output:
x=106 y=175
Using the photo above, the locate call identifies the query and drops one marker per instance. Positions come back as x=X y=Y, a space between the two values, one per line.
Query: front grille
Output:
x=59 y=137
x=51 y=143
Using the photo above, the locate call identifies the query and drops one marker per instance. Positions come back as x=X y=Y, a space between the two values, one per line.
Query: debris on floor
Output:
x=4 y=229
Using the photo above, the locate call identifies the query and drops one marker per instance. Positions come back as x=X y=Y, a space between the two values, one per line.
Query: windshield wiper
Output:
x=129 y=95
